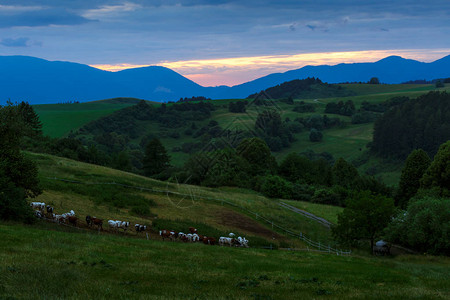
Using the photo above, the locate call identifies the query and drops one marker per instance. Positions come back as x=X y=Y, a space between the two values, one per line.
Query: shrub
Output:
x=276 y=187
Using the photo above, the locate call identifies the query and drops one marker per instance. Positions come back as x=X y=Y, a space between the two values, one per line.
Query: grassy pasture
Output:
x=42 y=262
x=59 y=119
x=198 y=209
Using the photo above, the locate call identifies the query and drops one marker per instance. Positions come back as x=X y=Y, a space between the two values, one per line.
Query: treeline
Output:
x=416 y=123
x=305 y=89
x=300 y=176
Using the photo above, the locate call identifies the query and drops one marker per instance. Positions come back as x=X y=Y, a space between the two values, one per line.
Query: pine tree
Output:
x=415 y=166
x=30 y=119
x=438 y=174
x=156 y=158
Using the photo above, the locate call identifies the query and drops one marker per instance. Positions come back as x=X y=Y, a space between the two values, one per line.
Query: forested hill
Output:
x=305 y=89
x=422 y=123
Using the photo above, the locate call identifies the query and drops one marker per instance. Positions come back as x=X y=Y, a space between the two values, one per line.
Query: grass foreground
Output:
x=50 y=262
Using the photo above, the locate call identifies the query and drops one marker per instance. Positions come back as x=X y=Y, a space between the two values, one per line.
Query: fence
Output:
x=321 y=247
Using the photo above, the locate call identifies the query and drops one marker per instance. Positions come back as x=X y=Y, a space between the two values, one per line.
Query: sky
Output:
x=224 y=42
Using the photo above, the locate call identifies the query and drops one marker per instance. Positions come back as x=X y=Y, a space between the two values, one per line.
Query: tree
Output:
x=344 y=174
x=269 y=122
x=364 y=218
x=315 y=135
x=30 y=119
x=256 y=152
x=439 y=84
x=276 y=187
x=415 y=166
x=374 y=80
x=18 y=175
x=156 y=159
x=438 y=173
x=425 y=226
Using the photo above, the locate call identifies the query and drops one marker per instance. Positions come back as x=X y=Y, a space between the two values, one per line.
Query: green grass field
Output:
x=44 y=262
x=59 y=119
x=198 y=208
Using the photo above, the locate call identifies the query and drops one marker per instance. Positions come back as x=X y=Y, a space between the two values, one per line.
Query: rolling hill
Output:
x=40 y=81
x=68 y=262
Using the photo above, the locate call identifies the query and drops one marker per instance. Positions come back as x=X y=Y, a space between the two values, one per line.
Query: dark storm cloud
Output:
x=18 y=42
x=151 y=31
x=39 y=17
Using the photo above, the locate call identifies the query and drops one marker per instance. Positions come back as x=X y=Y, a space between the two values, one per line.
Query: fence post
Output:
x=147 y=235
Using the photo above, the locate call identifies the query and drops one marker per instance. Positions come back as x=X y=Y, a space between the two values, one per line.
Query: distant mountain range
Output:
x=40 y=81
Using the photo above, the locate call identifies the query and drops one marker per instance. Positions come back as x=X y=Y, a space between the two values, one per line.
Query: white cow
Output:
x=225 y=240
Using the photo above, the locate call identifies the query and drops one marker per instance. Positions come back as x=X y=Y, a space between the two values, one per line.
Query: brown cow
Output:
x=98 y=222
x=72 y=220
x=168 y=234
x=209 y=240
x=192 y=230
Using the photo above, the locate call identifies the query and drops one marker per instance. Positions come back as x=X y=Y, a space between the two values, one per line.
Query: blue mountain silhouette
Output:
x=40 y=81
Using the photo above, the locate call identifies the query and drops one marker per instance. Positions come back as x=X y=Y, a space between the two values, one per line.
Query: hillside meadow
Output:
x=348 y=141
x=216 y=210
x=47 y=262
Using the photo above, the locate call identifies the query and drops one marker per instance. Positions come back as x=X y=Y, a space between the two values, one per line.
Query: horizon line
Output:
x=239 y=70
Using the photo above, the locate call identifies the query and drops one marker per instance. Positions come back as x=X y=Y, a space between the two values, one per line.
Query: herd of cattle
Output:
x=46 y=211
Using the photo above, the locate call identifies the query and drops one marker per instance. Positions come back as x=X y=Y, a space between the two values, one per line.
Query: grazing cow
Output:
x=195 y=238
x=209 y=240
x=113 y=225
x=168 y=234
x=183 y=237
x=38 y=205
x=98 y=222
x=242 y=242
x=226 y=240
x=49 y=210
x=60 y=219
x=38 y=214
x=123 y=224
x=192 y=230
x=88 y=221
x=140 y=228
x=72 y=220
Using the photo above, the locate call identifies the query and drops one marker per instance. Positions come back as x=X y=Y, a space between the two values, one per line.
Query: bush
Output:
x=425 y=226
x=315 y=135
x=276 y=187
x=325 y=196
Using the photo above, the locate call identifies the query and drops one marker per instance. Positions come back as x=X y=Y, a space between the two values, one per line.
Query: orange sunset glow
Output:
x=233 y=71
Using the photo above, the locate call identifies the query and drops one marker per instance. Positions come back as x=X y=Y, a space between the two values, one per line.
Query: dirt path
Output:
x=309 y=215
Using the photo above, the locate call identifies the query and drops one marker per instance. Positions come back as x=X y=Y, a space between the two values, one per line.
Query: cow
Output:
x=183 y=237
x=60 y=219
x=38 y=214
x=38 y=205
x=114 y=225
x=241 y=242
x=140 y=228
x=209 y=240
x=72 y=220
x=168 y=234
x=123 y=224
x=195 y=238
x=98 y=222
x=226 y=240
x=192 y=230
x=89 y=221
x=49 y=210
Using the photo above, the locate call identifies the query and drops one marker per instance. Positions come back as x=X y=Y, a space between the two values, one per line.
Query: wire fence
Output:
x=320 y=247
